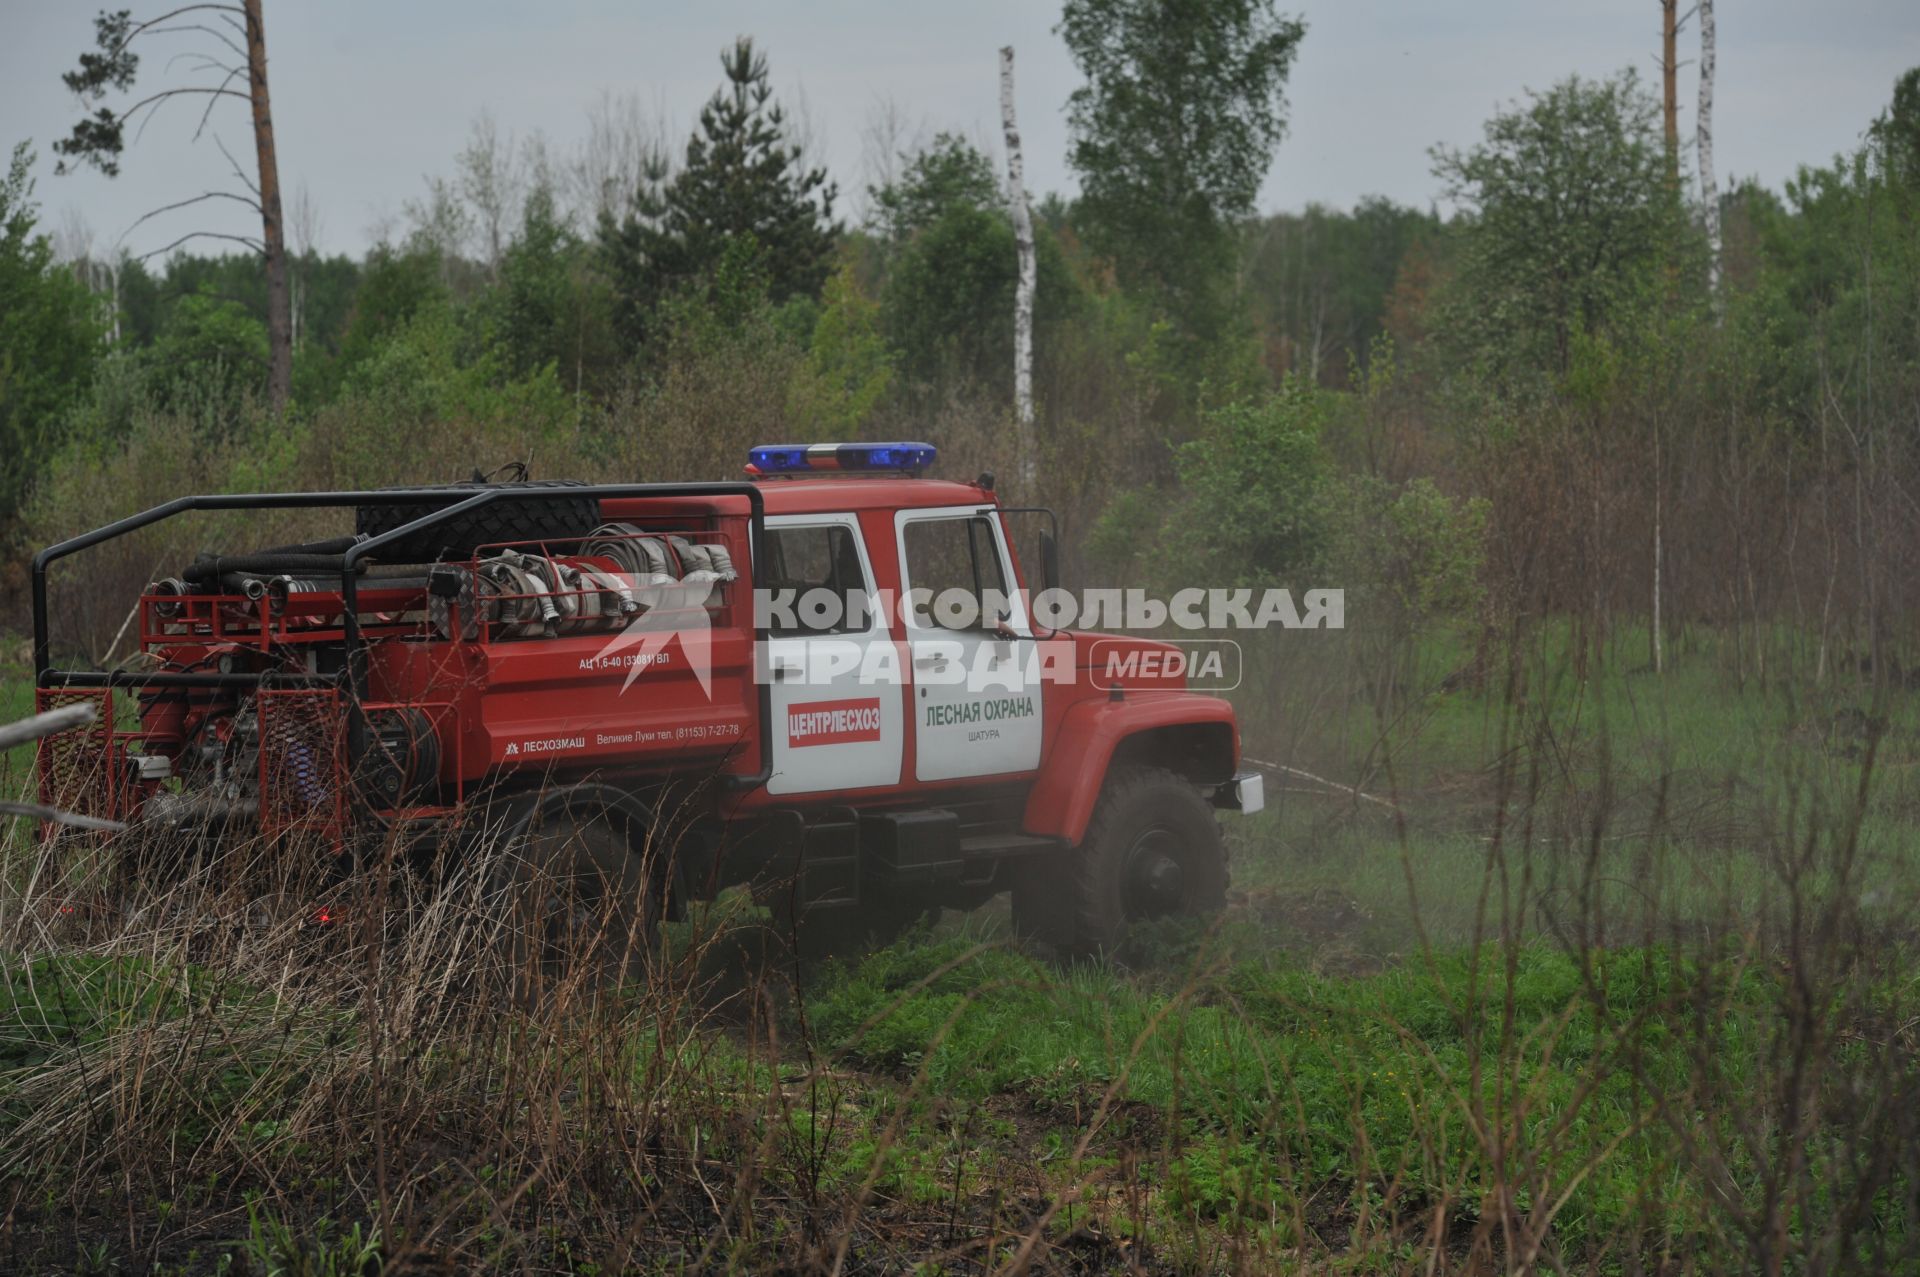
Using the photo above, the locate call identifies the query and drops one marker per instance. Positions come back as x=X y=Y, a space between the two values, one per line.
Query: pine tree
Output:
x=741 y=177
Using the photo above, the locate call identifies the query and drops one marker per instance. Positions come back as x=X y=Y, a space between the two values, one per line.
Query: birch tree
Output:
x=1023 y=294
x=625 y=151
x=1703 y=146
x=493 y=180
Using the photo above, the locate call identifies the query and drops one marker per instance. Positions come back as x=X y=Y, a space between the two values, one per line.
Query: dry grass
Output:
x=196 y=1067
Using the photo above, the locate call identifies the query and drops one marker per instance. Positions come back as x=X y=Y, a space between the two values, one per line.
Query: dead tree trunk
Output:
x=1023 y=295
x=1659 y=652
x=1670 y=83
x=272 y=234
x=1703 y=144
x=100 y=139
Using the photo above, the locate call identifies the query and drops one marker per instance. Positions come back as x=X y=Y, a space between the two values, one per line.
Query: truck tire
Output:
x=560 y=516
x=1152 y=850
x=581 y=909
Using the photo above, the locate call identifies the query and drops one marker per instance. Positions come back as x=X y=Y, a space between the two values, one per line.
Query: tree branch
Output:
x=254 y=244
x=211 y=102
x=154 y=101
x=154 y=22
x=201 y=26
x=238 y=172
x=207 y=61
x=168 y=208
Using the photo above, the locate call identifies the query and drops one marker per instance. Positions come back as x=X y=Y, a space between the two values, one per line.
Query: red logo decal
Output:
x=833 y=722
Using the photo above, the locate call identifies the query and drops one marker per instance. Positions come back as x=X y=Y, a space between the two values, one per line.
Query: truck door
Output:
x=835 y=724
x=976 y=692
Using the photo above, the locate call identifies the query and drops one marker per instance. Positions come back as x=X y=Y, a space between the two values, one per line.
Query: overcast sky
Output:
x=369 y=96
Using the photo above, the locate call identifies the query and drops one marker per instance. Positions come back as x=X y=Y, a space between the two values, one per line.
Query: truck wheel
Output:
x=582 y=910
x=1152 y=850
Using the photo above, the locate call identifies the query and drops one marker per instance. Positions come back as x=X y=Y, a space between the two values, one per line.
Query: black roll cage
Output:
x=46 y=676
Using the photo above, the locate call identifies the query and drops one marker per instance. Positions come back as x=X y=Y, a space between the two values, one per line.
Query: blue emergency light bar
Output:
x=814 y=458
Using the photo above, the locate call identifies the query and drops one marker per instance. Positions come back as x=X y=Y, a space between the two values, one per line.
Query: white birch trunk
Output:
x=1703 y=144
x=1023 y=295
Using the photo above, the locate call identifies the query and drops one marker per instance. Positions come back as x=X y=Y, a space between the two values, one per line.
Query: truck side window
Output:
x=955 y=554
x=804 y=559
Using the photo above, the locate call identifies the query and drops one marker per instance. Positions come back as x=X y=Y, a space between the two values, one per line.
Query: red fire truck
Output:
x=827 y=680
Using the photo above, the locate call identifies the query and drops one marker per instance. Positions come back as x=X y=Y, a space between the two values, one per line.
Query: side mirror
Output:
x=1049 y=562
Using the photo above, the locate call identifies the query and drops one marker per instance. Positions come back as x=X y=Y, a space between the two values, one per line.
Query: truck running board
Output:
x=1007 y=846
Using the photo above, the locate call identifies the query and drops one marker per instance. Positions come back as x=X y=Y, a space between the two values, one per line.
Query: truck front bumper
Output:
x=1246 y=793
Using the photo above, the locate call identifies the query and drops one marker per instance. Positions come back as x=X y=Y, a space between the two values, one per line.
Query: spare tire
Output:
x=560 y=516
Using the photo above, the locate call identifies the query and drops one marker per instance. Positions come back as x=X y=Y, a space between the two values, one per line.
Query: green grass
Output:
x=16 y=702
x=1280 y=1086
x=1233 y=1092
x=1685 y=796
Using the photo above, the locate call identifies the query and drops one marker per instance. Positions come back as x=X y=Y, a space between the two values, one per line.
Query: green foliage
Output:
x=1896 y=134
x=1320 y=281
x=191 y=324
x=1253 y=506
x=276 y=1249
x=950 y=268
x=947 y=307
x=739 y=288
x=549 y=310
x=233 y=277
x=1255 y=488
x=50 y=331
x=1833 y=316
x=1567 y=219
x=1172 y=135
x=98 y=139
x=948 y=173
x=1411 y=547
x=394 y=286
x=211 y=347
x=722 y=379
x=323 y=294
x=142 y=308
x=418 y=379
x=51 y=1004
x=849 y=368
x=741 y=177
